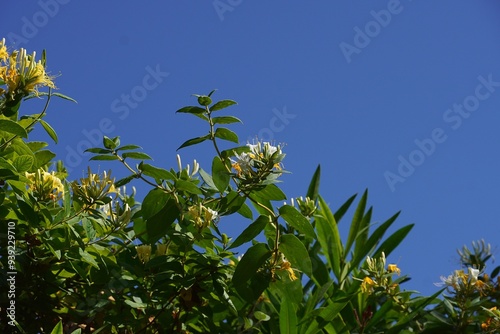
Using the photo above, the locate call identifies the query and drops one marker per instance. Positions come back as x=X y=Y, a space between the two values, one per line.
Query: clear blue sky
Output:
x=400 y=97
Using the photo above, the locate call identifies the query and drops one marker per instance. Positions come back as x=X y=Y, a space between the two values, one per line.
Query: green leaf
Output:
x=313 y=190
x=43 y=157
x=270 y=192
x=251 y=231
x=154 y=201
x=362 y=236
x=128 y=147
x=329 y=236
x=296 y=253
x=226 y=134
x=373 y=241
x=109 y=143
x=87 y=258
x=136 y=156
x=192 y=110
x=159 y=224
x=207 y=179
x=104 y=157
x=193 y=141
x=222 y=104
x=356 y=222
x=155 y=172
x=9 y=126
x=343 y=208
x=58 y=329
x=261 y=316
x=187 y=186
x=23 y=163
x=204 y=100
x=89 y=228
x=36 y=145
x=220 y=175
x=134 y=304
x=11 y=107
x=226 y=120
x=50 y=131
x=287 y=317
x=393 y=241
x=64 y=97
x=245 y=211
x=123 y=181
x=29 y=213
x=251 y=261
x=231 y=203
x=295 y=219
x=98 y=150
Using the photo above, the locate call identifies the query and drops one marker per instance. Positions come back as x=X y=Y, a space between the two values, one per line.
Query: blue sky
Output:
x=400 y=97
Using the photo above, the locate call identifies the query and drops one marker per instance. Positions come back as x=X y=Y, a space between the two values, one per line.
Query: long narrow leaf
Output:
x=313 y=190
x=356 y=222
x=393 y=241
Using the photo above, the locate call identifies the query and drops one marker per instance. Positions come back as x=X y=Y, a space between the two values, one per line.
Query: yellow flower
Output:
x=3 y=51
x=94 y=188
x=288 y=267
x=45 y=185
x=144 y=252
x=22 y=73
x=392 y=268
x=202 y=216
x=367 y=285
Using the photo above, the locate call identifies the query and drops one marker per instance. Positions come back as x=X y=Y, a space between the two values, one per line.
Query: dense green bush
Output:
x=83 y=256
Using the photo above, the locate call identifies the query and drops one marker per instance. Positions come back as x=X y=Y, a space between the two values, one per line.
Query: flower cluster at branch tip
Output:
x=377 y=275
x=94 y=189
x=262 y=158
x=186 y=172
x=493 y=322
x=21 y=73
x=306 y=206
x=45 y=186
x=202 y=216
x=462 y=281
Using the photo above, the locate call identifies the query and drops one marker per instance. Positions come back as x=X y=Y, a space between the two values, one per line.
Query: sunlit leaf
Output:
x=226 y=134
x=295 y=219
x=222 y=104
x=6 y=125
x=251 y=231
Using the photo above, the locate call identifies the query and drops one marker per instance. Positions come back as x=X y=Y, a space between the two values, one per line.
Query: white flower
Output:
x=244 y=163
x=473 y=274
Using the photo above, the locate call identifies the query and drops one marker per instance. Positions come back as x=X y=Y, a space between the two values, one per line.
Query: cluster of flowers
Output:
x=377 y=275
x=21 y=73
x=261 y=160
x=45 y=186
x=462 y=281
x=202 y=216
x=94 y=189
